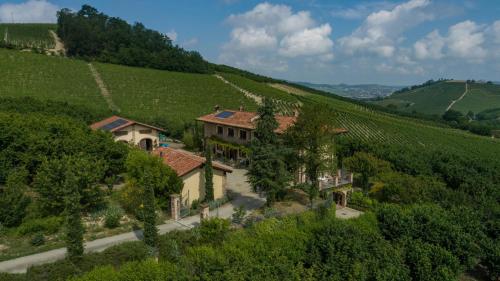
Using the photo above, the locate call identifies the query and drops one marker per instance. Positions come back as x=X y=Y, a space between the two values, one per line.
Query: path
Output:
x=238 y=188
x=248 y=94
x=59 y=45
x=102 y=87
x=459 y=99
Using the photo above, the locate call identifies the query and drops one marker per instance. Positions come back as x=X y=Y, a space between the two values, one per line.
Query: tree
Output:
x=209 y=175
x=367 y=166
x=74 y=227
x=267 y=171
x=150 y=229
x=165 y=180
x=13 y=201
x=312 y=139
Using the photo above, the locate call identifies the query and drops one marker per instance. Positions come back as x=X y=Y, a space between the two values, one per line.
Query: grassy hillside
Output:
x=148 y=94
x=436 y=98
x=433 y=99
x=28 y=35
x=480 y=97
x=45 y=77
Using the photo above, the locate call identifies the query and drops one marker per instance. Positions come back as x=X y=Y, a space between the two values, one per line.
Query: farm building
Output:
x=232 y=131
x=132 y=132
x=191 y=168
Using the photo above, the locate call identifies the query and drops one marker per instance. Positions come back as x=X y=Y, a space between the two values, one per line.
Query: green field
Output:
x=147 y=94
x=27 y=35
x=479 y=97
x=433 y=99
x=46 y=77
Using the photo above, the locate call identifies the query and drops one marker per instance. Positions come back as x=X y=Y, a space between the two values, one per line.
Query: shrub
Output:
x=38 y=239
x=214 y=230
x=169 y=249
x=130 y=197
x=239 y=215
x=112 y=216
x=195 y=205
x=49 y=225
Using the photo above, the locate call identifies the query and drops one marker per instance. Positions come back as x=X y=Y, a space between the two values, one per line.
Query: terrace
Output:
x=332 y=181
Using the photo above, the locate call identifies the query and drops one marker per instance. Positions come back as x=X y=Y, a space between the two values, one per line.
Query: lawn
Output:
x=47 y=77
x=27 y=35
x=148 y=94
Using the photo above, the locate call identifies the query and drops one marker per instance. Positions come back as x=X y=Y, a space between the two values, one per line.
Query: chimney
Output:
x=241 y=108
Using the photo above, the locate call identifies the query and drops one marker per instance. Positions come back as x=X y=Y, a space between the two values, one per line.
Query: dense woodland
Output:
x=92 y=35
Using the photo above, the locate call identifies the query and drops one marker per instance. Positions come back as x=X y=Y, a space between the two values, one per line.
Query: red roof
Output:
x=120 y=124
x=246 y=120
x=184 y=162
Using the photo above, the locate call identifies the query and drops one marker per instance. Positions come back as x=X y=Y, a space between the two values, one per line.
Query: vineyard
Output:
x=152 y=95
x=377 y=127
x=433 y=99
x=28 y=35
x=148 y=94
x=285 y=102
x=45 y=77
x=479 y=97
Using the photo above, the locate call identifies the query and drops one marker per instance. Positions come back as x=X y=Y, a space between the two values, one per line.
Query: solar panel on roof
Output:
x=114 y=124
x=224 y=114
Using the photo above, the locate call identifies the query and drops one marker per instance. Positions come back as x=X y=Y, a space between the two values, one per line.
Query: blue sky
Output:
x=385 y=42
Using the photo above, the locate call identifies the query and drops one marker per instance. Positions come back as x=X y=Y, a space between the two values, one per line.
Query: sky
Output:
x=319 y=41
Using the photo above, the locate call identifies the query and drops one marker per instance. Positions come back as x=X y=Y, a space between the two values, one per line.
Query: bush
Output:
x=169 y=249
x=49 y=225
x=112 y=216
x=130 y=197
x=195 y=205
x=360 y=201
x=38 y=239
x=214 y=230
x=239 y=215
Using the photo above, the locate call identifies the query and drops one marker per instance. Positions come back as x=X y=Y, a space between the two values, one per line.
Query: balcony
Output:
x=331 y=181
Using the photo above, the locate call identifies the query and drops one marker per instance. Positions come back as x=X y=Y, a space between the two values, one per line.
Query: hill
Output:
x=27 y=35
x=359 y=92
x=437 y=98
x=173 y=99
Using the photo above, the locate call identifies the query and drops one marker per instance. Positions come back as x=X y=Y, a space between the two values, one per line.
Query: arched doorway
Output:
x=146 y=144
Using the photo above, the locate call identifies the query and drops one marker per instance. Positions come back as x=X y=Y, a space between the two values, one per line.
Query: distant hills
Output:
x=359 y=92
x=438 y=97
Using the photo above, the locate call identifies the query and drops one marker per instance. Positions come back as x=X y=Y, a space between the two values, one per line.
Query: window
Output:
x=147 y=131
x=121 y=133
x=243 y=135
x=220 y=130
x=230 y=132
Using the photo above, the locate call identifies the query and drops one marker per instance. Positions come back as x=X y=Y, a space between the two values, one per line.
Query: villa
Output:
x=232 y=131
x=191 y=169
x=132 y=132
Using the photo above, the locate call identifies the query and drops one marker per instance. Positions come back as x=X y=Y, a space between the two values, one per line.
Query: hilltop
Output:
x=436 y=98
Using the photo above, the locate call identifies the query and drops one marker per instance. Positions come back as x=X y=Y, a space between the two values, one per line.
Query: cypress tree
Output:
x=74 y=227
x=209 y=174
x=150 y=229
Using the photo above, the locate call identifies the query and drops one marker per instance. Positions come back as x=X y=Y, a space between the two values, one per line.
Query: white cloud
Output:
x=252 y=38
x=31 y=11
x=275 y=33
x=495 y=30
x=430 y=47
x=465 y=40
x=314 y=41
x=172 y=34
x=381 y=30
x=360 y=10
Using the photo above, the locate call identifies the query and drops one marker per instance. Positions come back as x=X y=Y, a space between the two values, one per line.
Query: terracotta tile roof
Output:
x=107 y=124
x=184 y=162
x=246 y=120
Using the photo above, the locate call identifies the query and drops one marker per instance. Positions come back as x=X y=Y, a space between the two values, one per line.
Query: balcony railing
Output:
x=340 y=179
